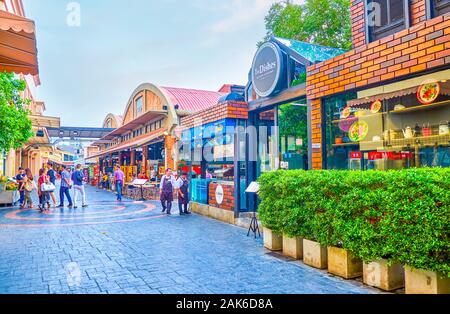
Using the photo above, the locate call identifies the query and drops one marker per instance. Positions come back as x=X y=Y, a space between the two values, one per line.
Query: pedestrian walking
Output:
x=29 y=187
x=65 y=187
x=44 y=189
x=166 y=188
x=20 y=181
x=78 y=187
x=52 y=175
x=119 y=176
x=183 y=194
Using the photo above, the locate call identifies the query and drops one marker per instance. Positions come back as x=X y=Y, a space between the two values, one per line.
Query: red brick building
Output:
x=380 y=91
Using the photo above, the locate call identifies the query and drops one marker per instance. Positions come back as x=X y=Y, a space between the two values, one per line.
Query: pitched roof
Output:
x=192 y=99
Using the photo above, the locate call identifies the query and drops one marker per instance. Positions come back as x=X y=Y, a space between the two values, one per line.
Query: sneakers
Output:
x=187 y=213
x=182 y=214
x=85 y=205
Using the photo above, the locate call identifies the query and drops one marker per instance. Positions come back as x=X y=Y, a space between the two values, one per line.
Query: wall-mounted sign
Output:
x=219 y=194
x=266 y=70
x=316 y=146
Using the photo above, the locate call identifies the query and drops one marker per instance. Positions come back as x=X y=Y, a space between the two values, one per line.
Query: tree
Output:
x=321 y=22
x=15 y=126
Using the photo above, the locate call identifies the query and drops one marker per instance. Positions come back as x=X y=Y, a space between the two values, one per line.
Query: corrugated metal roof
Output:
x=192 y=99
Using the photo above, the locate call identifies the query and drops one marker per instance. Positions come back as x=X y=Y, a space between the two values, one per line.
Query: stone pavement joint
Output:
x=142 y=251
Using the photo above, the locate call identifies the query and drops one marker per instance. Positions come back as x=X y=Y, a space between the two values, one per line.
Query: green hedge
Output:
x=402 y=215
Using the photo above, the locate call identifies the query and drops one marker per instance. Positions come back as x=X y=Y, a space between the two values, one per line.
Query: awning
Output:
x=45 y=121
x=134 y=143
x=400 y=93
x=140 y=121
x=18 y=52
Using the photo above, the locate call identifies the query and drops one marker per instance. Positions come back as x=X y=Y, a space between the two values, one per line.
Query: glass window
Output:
x=440 y=7
x=293 y=128
x=402 y=129
x=267 y=142
x=385 y=17
x=139 y=107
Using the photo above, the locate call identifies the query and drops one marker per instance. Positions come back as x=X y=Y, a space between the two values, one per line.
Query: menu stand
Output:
x=254 y=225
x=140 y=183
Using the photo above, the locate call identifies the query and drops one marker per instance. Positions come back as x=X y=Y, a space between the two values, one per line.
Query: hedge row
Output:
x=402 y=216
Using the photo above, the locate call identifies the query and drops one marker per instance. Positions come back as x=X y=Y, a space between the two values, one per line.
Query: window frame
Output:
x=385 y=29
x=136 y=113
x=431 y=10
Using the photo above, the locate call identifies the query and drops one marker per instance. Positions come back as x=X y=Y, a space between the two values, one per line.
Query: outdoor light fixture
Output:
x=75 y=133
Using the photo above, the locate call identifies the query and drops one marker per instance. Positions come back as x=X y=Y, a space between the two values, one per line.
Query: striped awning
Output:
x=18 y=52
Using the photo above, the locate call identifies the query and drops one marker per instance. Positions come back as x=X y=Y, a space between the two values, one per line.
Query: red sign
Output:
x=355 y=155
x=390 y=155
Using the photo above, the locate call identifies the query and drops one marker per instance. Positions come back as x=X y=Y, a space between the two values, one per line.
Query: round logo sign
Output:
x=219 y=194
x=266 y=69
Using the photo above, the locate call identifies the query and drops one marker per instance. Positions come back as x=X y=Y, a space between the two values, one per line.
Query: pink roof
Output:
x=192 y=99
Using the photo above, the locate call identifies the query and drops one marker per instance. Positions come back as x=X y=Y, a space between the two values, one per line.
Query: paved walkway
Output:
x=132 y=248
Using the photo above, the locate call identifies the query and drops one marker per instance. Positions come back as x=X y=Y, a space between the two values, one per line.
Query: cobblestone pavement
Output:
x=132 y=248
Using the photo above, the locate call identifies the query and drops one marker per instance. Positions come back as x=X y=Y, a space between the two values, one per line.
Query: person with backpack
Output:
x=78 y=186
x=29 y=187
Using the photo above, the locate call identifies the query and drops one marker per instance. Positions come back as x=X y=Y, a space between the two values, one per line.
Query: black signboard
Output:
x=267 y=69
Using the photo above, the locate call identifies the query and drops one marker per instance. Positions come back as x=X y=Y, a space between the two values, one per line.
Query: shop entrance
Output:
x=282 y=140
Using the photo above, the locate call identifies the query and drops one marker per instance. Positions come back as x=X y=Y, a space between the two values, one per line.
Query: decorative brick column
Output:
x=316 y=127
x=169 y=144
x=358 y=23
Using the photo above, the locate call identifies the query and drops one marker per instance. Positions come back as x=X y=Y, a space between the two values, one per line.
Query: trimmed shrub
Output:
x=402 y=216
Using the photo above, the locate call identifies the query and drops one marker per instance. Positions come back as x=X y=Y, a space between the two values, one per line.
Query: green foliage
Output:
x=402 y=216
x=15 y=126
x=322 y=22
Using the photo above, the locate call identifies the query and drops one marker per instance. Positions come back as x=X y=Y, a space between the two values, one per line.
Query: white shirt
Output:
x=171 y=179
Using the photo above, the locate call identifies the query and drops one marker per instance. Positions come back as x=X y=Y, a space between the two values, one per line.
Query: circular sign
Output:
x=219 y=194
x=428 y=93
x=376 y=106
x=266 y=69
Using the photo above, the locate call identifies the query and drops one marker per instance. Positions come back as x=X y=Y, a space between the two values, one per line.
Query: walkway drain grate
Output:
x=280 y=256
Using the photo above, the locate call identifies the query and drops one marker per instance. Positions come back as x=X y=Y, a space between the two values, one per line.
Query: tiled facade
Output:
x=423 y=47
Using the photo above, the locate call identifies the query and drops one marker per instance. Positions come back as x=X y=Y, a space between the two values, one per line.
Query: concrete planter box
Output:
x=272 y=241
x=7 y=197
x=379 y=274
x=419 y=281
x=198 y=208
x=343 y=264
x=221 y=214
x=293 y=247
x=314 y=254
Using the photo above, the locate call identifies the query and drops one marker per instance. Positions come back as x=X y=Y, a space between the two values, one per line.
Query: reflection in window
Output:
x=139 y=106
x=402 y=129
x=440 y=7
x=391 y=18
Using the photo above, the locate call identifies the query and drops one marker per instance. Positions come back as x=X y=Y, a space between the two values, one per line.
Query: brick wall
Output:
x=418 y=11
x=231 y=109
x=228 y=198
x=358 y=23
x=419 y=48
x=316 y=123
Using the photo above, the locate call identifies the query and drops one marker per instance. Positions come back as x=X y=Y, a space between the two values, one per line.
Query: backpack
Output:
x=79 y=175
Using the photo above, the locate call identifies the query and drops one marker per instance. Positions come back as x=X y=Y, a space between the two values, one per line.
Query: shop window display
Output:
x=403 y=128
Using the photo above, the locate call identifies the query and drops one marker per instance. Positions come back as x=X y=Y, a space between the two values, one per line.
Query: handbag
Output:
x=30 y=186
x=48 y=187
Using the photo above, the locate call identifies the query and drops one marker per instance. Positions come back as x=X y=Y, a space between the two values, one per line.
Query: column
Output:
x=168 y=145
x=144 y=158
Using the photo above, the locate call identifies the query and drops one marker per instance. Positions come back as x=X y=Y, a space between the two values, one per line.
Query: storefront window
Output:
x=293 y=129
x=406 y=127
x=267 y=142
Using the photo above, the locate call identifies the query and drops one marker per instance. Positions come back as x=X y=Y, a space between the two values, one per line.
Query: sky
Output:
x=90 y=70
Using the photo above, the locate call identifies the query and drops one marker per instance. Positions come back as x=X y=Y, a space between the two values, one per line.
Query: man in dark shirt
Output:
x=20 y=180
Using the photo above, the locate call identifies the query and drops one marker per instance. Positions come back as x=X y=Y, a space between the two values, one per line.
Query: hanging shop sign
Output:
x=266 y=70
